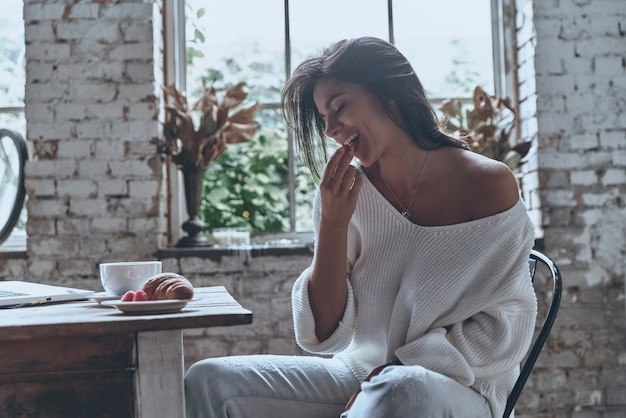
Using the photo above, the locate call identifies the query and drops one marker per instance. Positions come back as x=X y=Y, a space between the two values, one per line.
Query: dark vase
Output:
x=194 y=226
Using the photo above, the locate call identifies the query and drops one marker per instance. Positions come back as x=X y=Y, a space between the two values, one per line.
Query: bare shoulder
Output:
x=489 y=184
x=476 y=185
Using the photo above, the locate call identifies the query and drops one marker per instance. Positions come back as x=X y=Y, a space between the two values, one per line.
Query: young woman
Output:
x=418 y=302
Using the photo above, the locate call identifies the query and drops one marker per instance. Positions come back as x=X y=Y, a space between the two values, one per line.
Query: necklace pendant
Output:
x=406 y=214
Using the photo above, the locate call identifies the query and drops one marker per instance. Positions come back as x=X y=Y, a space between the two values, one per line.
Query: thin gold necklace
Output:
x=405 y=210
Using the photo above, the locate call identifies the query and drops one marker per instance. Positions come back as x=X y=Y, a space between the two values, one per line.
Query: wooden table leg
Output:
x=160 y=371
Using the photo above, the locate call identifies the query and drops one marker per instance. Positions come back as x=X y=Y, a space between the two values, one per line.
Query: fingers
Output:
x=337 y=164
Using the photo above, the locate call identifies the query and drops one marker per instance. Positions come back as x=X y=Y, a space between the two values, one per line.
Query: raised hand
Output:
x=339 y=187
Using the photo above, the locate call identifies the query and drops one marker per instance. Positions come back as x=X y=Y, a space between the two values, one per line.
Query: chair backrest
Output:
x=535 y=258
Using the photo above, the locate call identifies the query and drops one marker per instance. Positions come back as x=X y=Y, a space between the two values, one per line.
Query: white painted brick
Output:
x=584 y=83
x=145 y=189
x=47 y=207
x=77 y=188
x=553 y=100
x=38 y=33
x=137 y=32
x=619 y=158
x=93 y=92
x=529 y=129
x=37 y=130
x=607 y=25
x=111 y=110
x=41 y=268
x=130 y=168
x=135 y=129
x=613 y=177
x=144 y=111
x=92 y=50
x=88 y=207
x=143 y=225
x=128 y=11
x=138 y=92
x=584 y=178
x=528 y=108
x=526 y=71
x=527 y=88
x=49 y=52
x=104 y=71
x=88 y=248
x=108 y=224
x=609 y=65
x=583 y=141
x=140 y=72
x=43 y=11
x=50 y=168
x=107 y=149
x=600 y=199
x=39 y=72
x=600 y=46
x=74 y=226
x=578 y=65
x=140 y=51
x=44 y=112
x=613 y=138
x=550 y=122
x=41 y=188
x=555 y=83
x=46 y=92
x=140 y=147
x=93 y=129
x=69 y=112
x=85 y=11
x=549 y=27
x=113 y=187
x=552 y=47
x=566 y=160
x=103 y=31
x=581 y=101
x=55 y=246
x=37 y=226
x=93 y=168
x=124 y=248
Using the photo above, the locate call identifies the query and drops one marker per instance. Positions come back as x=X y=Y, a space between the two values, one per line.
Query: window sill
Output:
x=14 y=246
x=266 y=245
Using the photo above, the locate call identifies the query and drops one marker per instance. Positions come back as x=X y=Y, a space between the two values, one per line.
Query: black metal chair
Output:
x=535 y=349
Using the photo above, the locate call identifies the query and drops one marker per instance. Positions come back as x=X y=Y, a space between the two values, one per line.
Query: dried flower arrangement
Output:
x=221 y=118
x=487 y=127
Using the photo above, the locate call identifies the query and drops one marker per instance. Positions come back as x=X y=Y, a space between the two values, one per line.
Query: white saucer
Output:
x=149 y=307
x=103 y=296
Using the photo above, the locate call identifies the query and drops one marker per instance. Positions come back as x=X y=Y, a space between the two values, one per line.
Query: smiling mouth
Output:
x=348 y=142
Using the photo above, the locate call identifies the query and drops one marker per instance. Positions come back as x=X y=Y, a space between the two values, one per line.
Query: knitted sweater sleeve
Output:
x=304 y=322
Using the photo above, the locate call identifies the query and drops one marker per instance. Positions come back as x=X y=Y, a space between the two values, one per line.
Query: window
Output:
x=448 y=42
x=12 y=83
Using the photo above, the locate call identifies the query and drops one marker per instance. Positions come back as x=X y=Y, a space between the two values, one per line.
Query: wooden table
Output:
x=81 y=359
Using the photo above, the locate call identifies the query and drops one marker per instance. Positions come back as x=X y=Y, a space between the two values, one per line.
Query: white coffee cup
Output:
x=120 y=277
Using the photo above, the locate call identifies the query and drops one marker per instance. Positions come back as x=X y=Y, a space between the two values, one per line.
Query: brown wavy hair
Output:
x=381 y=68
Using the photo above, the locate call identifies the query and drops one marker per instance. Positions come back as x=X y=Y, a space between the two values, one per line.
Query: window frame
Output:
x=16 y=240
x=175 y=73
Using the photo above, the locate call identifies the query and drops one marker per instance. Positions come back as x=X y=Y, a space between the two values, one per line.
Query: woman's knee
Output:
x=403 y=391
x=201 y=379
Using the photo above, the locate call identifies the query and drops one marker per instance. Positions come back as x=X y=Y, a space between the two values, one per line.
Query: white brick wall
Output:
x=579 y=61
x=85 y=113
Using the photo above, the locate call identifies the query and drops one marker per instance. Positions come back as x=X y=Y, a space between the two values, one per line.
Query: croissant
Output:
x=168 y=286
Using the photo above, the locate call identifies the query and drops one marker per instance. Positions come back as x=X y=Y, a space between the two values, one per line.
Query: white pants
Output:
x=265 y=386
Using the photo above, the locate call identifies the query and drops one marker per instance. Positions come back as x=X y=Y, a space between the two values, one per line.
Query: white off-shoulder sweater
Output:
x=456 y=299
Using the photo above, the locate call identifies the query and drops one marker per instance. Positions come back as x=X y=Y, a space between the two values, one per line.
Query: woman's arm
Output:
x=328 y=291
